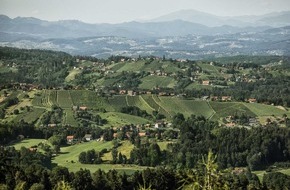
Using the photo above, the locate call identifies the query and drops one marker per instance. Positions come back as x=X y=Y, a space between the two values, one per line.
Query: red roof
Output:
x=70 y=137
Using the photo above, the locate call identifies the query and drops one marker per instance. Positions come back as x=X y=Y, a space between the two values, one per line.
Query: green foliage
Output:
x=276 y=180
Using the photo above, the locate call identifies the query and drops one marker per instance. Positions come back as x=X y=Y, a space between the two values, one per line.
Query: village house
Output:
x=51 y=125
x=252 y=100
x=83 y=108
x=131 y=93
x=88 y=137
x=70 y=139
x=214 y=98
x=75 y=108
x=32 y=149
x=231 y=124
x=206 y=82
x=122 y=92
x=162 y=94
x=142 y=134
x=226 y=98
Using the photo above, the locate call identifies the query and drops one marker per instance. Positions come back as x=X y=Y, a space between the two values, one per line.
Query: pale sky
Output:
x=117 y=11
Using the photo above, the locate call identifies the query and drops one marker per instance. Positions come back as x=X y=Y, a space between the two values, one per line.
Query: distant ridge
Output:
x=275 y=19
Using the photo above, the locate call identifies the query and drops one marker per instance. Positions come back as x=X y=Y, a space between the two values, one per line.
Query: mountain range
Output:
x=149 y=37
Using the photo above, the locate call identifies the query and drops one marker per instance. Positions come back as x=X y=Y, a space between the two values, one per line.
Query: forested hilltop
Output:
x=77 y=122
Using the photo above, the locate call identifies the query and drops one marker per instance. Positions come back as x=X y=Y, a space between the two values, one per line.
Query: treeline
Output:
x=41 y=67
x=255 y=148
x=133 y=110
x=26 y=169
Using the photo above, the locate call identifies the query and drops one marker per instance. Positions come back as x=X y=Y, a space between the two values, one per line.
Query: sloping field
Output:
x=27 y=143
x=149 y=82
x=224 y=109
x=72 y=152
x=68 y=117
x=265 y=110
x=117 y=102
x=139 y=102
x=69 y=158
x=89 y=99
x=31 y=116
x=153 y=104
x=125 y=148
x=64 y=99
x=119 y=119
x=153 y=66
x=131 y=66
x=210 y=68
x=187 y=107
x=52 y=97
x=72 y=74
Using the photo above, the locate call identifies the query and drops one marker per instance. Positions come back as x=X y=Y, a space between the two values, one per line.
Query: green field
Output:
x=265 y=110
x=150 y=82
x=27 y=143
x=118 y=102
x=89 y=99
x=130 y=66
x=151 y=101
x=68 y=117
x=117 y=119
x=187 y=107
x=261 y=173
x=64 y=99
x=224 y=109
x=125 y=148
x=31 y=116
x=69 y=158
x=139 y=102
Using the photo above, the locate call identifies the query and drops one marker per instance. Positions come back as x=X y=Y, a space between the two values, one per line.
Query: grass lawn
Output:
x=119 y=119
x=72 y=74
x=187 y=107
x=163 y=144
x=149 y=82
x=125 y=148
x=130 y=66
x=138 y=101
x=31 y=116
x=261 y=173
x=64 y=99
x=27 y=143
x=69 y=117
x=265 y=110
x=69 y=158
x=224 y=109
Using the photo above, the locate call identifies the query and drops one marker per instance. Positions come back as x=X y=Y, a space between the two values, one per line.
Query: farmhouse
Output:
x=122 y=92
x=252 y=100
x=231 y=124
x=226 y=98
x=206 y=82
x=51 y=125
x=83 y=108
x=75 y=108
x=70 y=139
x=88 y=137
x=142 y=134
x=131 y=93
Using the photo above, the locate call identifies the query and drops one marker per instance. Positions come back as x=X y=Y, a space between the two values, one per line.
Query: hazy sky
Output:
x=115 y=11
